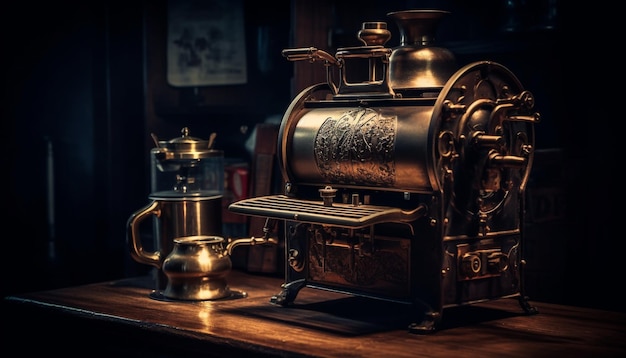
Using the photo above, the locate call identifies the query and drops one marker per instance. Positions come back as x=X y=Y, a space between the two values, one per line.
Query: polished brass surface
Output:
x=411 y=194
x=172 y=218
x=374 y=33
x=418 y=63
x=374 y=84
x=338 y=214
x=198 y=266
x=379 y=146
x=187 y=182
x=197 y=269
x=183 y=151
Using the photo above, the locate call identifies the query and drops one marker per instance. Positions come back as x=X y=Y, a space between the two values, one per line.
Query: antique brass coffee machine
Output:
x=408 y=184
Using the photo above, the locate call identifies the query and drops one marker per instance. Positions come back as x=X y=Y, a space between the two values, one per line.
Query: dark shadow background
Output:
x=74 y=80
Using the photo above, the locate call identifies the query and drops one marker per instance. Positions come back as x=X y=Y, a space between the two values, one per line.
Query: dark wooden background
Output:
x=89 y=79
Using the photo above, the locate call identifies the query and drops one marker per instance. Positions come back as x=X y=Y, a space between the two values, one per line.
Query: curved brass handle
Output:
x=133 y=236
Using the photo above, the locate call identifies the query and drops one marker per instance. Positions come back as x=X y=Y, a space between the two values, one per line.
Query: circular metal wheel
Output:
x=482 y=129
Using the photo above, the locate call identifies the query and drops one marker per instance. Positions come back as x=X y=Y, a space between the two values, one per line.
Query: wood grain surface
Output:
x=125 y=318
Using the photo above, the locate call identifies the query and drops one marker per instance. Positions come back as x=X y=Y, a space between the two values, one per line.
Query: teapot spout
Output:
x=249 y=241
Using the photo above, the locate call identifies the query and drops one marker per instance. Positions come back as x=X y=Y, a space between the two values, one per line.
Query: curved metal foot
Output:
x=288 y=293
x=427 y=325
x=526 y=306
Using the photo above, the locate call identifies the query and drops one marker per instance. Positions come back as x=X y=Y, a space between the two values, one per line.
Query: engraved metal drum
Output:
x=363 y=146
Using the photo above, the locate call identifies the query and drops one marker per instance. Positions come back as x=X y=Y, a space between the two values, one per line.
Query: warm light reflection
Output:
x=204 y=259
x=426 y=80
x=204 y=315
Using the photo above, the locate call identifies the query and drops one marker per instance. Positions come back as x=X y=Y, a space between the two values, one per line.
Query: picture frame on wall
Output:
x=206 y=43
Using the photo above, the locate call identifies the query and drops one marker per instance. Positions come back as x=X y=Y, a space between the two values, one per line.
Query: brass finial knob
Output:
x=374 y=33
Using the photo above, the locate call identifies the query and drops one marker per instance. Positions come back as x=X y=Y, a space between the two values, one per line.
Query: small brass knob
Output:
x=374 y=33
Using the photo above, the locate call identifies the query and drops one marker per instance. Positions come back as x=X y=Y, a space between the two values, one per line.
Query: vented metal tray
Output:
x=343 y=215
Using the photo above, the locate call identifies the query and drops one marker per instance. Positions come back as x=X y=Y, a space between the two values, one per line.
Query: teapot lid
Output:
x=186 y=142
x=188 y=147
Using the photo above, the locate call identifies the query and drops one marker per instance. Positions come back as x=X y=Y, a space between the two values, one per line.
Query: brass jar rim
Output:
x=199 y=239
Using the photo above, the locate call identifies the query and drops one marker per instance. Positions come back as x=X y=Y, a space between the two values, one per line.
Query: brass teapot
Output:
x=198 y=265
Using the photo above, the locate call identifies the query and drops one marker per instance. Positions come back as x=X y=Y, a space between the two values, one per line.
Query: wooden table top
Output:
x=319 y=324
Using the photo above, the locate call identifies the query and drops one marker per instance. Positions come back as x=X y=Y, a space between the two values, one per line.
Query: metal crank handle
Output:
x=309 y=53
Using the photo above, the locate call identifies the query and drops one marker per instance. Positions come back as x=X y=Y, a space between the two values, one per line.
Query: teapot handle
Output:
x=133 y=236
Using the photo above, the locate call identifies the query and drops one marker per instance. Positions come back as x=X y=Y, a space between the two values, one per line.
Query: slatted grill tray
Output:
x=344 y=215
